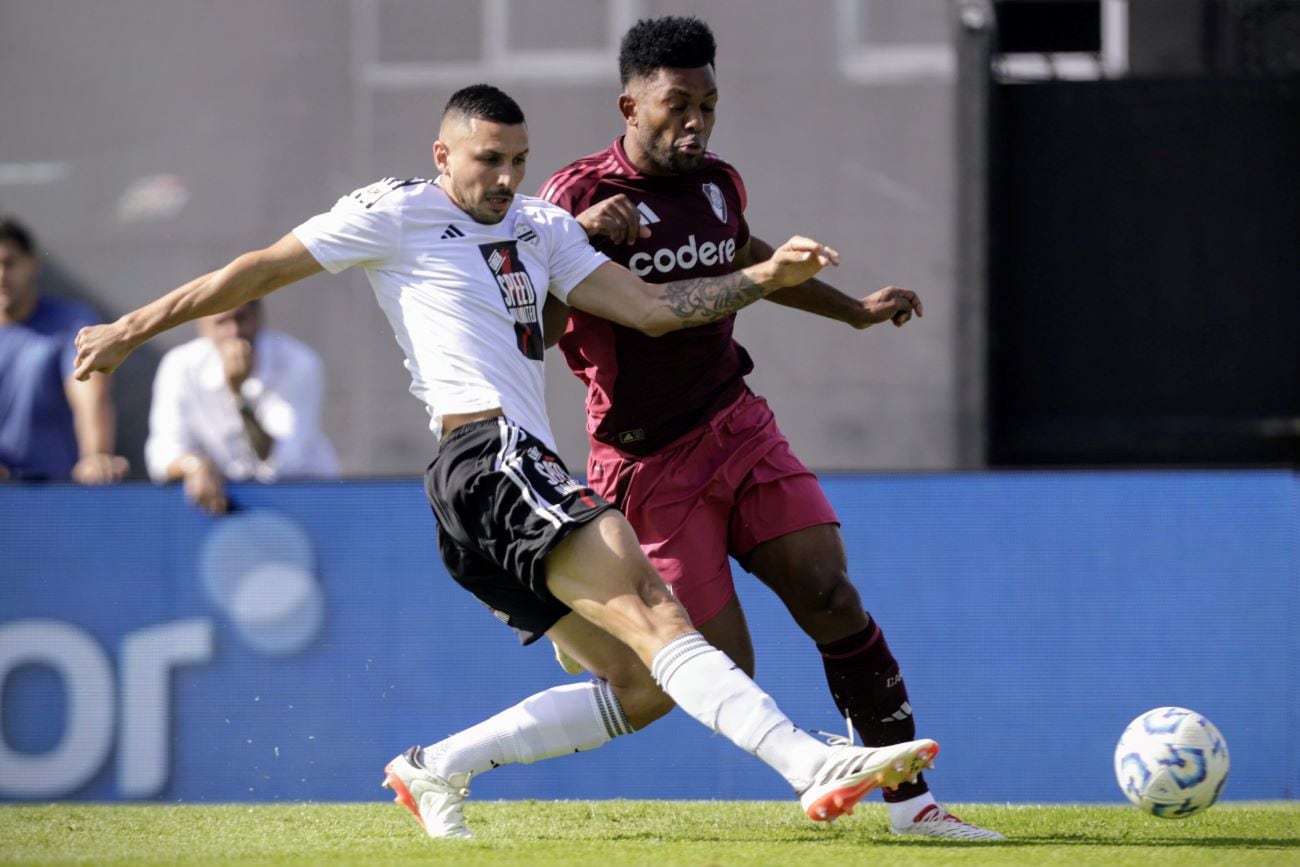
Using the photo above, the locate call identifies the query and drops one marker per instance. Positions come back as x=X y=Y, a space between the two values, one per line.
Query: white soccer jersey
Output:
x=462 y=296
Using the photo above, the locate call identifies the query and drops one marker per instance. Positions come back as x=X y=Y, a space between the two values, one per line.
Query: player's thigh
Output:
x=805 y=562
x=807 y=570
x=613 y=661
x=680 y=513
x=599 y=571
x=785 y=531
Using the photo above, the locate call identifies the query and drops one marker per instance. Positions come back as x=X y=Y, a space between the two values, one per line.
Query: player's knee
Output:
x=829 y=608
x=652 y=589
x=842 y=599
x=827 y=593
x=667 y=617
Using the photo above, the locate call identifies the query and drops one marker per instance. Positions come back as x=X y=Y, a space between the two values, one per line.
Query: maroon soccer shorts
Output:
x=718 y=491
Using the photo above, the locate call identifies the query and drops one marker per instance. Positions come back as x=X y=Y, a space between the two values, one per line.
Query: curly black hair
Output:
x=485 y=102
x=673 y=41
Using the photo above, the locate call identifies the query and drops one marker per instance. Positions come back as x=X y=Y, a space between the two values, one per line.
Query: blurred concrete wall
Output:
x=149 y=141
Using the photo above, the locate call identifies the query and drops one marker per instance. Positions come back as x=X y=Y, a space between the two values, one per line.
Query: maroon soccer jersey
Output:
x=644 y=392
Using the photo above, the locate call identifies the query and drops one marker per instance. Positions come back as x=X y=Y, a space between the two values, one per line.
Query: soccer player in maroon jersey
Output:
x=692 y=456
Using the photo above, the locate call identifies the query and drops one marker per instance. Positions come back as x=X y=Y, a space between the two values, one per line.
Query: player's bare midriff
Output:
x=455 y=420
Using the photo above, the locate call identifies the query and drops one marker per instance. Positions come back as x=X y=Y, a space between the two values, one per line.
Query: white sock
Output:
x=561 y=720
x=711 y=688
x=902 y=813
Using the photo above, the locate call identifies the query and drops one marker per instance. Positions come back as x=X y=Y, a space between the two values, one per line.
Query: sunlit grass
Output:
x=609 y=833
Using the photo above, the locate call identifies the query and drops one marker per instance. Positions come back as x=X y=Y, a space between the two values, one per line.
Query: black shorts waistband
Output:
x=473 y=425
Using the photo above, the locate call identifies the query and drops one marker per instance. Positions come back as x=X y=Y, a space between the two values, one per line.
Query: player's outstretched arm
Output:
x=612 y=292
x=252 y=275
x=891 y=304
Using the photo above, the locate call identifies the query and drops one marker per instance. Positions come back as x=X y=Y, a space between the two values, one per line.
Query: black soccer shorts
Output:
x=503 y=500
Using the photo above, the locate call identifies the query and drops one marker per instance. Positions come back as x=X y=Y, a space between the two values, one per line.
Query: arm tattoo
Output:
x=707 y=299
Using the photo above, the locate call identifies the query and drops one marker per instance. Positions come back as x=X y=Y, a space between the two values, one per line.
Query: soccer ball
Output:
x=1172 y=762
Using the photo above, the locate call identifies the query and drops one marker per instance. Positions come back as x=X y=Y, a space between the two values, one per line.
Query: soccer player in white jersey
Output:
x=461 y=266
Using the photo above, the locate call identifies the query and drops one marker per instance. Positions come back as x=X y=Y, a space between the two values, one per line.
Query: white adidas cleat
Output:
x=851 y=772
x=934 y=820
x=438 y=804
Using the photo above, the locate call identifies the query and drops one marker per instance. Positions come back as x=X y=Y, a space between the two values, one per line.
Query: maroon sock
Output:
x=867 y=686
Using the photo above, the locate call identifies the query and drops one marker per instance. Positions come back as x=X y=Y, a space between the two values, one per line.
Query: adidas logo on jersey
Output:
x=648 y=216
x=452 y=232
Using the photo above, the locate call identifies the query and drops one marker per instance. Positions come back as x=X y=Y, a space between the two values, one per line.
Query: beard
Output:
x=486 y=216
x=482 y=213
x=668 y=159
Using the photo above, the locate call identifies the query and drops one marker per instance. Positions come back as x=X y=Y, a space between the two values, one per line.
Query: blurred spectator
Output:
x=51 y=425
x=239 y=402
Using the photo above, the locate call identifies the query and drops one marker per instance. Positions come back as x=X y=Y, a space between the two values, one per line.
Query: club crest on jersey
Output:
x=517 y=293
x=525 y=233
x=719 y=205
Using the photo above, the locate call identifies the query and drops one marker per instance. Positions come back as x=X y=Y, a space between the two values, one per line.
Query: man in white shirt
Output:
x=239 y=402
x=461 y=266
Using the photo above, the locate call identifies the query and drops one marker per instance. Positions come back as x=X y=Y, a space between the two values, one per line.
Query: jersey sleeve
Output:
x=572 y=258
x=352 y=233
x=739 y=186
x=740 y=203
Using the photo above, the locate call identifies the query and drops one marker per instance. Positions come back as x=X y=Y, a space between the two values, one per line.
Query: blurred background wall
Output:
x=148 y=141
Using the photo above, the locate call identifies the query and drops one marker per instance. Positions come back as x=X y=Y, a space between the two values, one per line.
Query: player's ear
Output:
x=440 y=156
x=627 y=107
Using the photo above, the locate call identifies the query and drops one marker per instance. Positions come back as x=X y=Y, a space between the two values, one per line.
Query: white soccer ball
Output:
x=1172 y=762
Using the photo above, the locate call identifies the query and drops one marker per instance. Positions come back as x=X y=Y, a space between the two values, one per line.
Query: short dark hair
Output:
x=673 y=41
x=485 y=102
x=17 y=234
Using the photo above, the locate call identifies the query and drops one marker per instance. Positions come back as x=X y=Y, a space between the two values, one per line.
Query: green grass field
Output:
x=618 y=833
